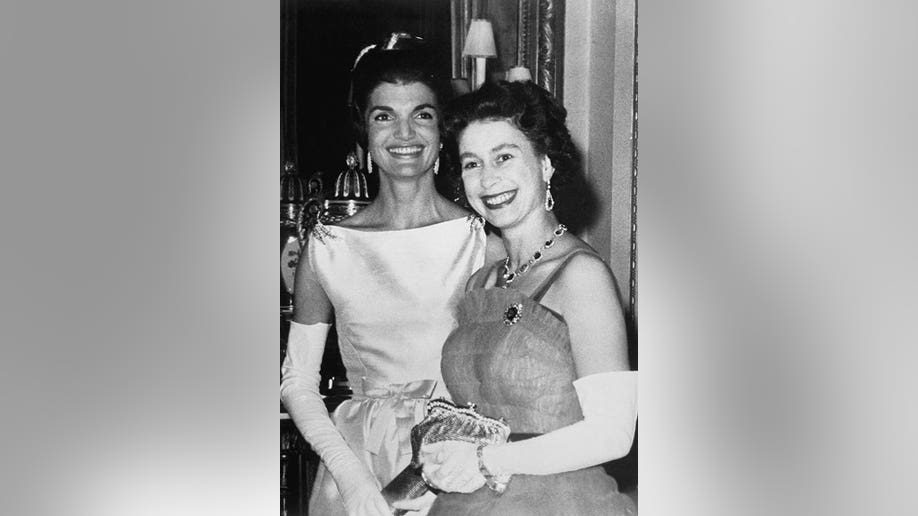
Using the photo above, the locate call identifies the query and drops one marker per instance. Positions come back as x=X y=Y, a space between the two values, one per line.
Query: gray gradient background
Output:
x=139 y=211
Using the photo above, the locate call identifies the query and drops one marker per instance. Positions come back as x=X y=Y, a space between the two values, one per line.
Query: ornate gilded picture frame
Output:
x=529 y=33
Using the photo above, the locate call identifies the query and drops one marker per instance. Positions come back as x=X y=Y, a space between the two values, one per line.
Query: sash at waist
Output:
x=520 y=436
x=417 y=389
x=386 y=413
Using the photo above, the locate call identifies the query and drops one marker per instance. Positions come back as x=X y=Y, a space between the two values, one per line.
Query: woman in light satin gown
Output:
x=389 y=277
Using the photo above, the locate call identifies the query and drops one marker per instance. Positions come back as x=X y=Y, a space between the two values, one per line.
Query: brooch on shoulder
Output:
x=475 y=222
x=321 y=232
x=513 y=313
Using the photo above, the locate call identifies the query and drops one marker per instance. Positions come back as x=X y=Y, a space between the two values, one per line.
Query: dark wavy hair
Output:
x=541 y=118
x=400 y=59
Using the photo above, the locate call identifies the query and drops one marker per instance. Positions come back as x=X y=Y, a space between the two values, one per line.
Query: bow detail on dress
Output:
x=396 y=409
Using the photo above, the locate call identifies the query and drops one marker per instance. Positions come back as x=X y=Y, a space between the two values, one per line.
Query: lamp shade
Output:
x=519 y=74
x=480 y=40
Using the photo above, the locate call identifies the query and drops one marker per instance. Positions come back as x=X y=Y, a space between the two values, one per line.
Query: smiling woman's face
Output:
x=504 y=178
x=402 y=128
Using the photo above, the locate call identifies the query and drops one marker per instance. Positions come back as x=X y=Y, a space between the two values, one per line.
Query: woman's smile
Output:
x=411 y=151
x=498 y=201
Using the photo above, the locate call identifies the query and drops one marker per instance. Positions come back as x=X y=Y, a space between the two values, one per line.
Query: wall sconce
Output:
x=479 y=44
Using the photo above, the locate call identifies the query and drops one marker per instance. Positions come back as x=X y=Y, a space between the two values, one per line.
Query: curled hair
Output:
x=541 y=118
x=400 y=59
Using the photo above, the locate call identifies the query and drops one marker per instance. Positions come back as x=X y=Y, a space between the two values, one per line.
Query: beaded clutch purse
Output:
x=444 y=422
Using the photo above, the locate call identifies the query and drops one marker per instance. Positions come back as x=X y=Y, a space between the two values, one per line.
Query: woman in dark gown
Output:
x=541 y=338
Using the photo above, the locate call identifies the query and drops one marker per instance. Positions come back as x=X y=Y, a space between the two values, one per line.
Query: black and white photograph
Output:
x=458 y=277
x=537 y=257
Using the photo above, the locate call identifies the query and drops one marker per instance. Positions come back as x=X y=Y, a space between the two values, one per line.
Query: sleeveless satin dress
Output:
x=512 y=356
x=394 y=295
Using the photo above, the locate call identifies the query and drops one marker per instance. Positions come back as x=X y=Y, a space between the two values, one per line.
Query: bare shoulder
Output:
x=586 y=275
x=586 y=266
x=587 y=298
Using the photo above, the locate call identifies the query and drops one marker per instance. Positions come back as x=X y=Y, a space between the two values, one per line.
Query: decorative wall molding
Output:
x=634 y=185
x=540 y=41
x=550 y=22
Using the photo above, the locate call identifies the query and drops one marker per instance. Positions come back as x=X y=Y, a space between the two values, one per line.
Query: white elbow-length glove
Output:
x=609 y=404
x=300 y=394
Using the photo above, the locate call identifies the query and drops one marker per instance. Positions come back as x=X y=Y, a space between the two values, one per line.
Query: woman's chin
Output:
x=409 y=170
x=499 y=218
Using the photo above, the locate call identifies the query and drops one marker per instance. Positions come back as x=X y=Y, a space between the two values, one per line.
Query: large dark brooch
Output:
x=513 y=313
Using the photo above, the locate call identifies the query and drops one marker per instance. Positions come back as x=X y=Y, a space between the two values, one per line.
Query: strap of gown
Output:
x=482 y=279
x=547 y=282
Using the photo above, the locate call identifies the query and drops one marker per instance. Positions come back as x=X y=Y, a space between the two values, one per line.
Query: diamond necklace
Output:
x=510 y=276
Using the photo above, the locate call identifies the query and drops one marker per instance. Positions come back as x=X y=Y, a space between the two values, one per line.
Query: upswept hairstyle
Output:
x=401 y=58
x=541 y=118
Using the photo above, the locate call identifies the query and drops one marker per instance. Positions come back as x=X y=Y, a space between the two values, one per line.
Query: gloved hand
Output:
x=300 y=394
x=452 y=466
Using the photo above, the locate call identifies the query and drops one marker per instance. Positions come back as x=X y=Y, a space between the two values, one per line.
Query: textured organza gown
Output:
x=394 y=295
x=511 y=356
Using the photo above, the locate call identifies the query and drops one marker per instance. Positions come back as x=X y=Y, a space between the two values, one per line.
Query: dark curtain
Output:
x=319 y=41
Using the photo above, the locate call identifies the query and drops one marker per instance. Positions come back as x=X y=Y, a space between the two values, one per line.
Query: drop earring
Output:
x=549 y=200
x=436 y=167
x=369 y=163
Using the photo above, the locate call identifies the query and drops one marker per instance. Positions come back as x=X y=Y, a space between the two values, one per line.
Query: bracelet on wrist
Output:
x=496 y=483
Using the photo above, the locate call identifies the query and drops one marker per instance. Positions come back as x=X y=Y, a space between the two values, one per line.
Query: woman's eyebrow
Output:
x=494 y=149
x=505 y=146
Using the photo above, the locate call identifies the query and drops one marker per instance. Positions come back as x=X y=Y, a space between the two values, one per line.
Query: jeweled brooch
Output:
x=513 y=313
x=475 y=222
